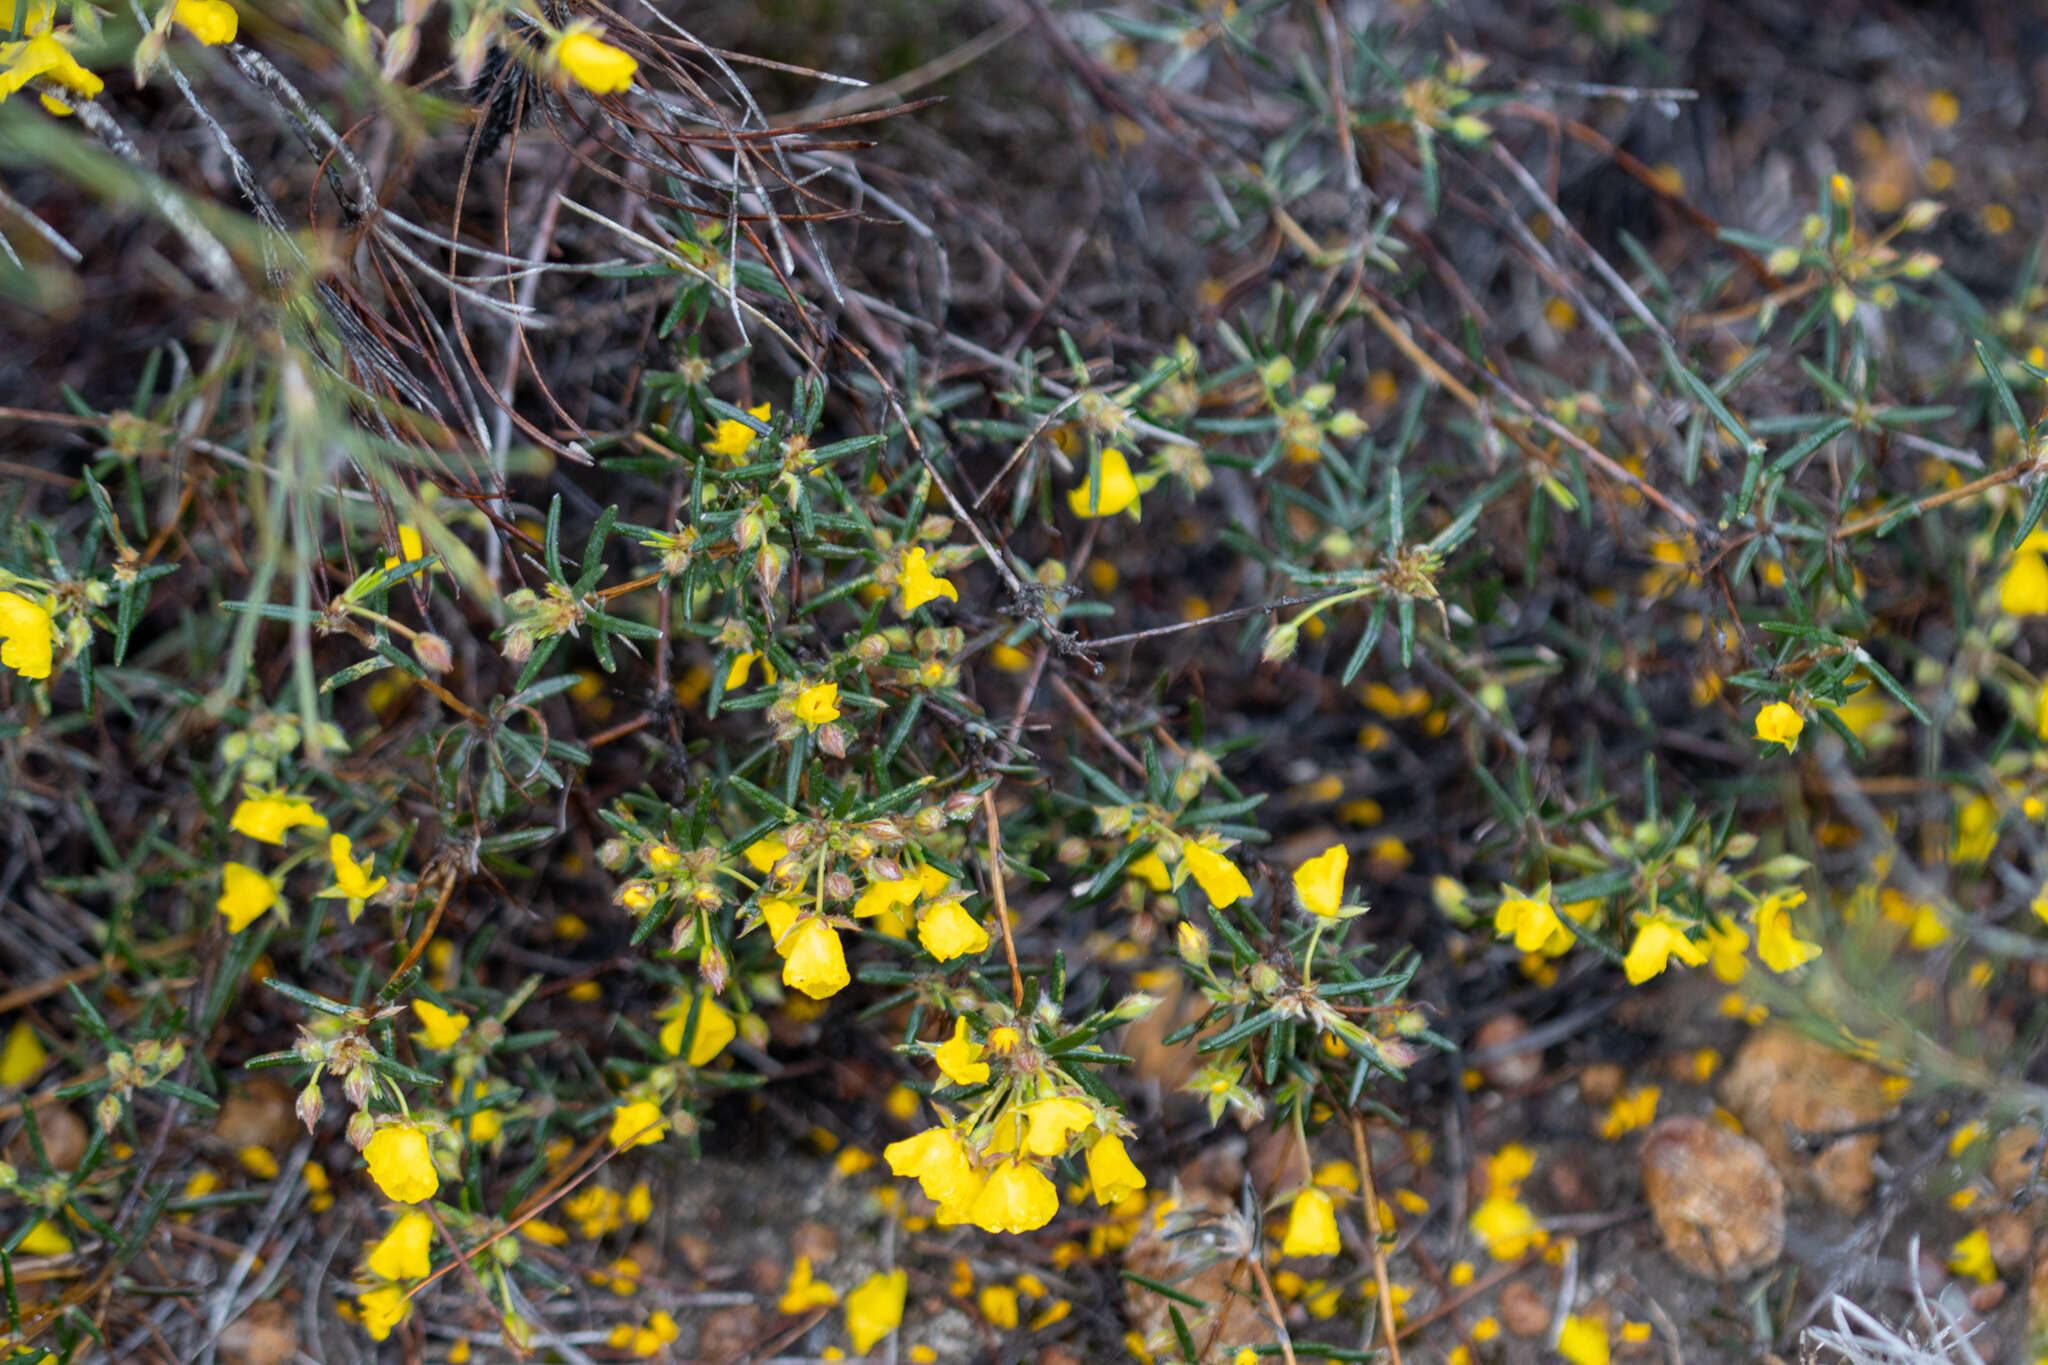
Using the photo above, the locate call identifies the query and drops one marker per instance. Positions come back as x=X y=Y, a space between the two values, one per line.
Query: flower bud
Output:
x=1921 y=214
x=356 y=1085
x=832 y=739
x=361 y=1128
x=1193 y=944
x=433 y=653
x=309 y=1105
x=838 y=886
x=108 y=1111
x=1264 y=978
x=713 y=968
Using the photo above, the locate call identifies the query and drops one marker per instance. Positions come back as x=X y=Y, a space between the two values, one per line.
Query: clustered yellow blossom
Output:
x=992 y=1166
x=1197 y=856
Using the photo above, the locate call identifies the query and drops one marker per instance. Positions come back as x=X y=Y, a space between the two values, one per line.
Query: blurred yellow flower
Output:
x=638 y=1123
x=1112 y=490
x=406 y=1251
x=715 y=1028
x=1215 y=874
x=1583 y=1341
x=212 y=22
x=1781 y=949
x=22 y=1056
x=441 y=1027
x=1311 y=1226
x=267 y=817
x=245 y=894
x=803 y=1293
x=1972 y=1257
x=875 y=1308
x=1659 y=938
x=594 y=64
x=28 y=634
x=1531 y=921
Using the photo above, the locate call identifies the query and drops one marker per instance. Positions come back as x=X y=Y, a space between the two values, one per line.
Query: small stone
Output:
x=2011 y=1240
x=816 y=1241
x=258 y=1114
x=262 y=1336
x=1986 y=1297
x=1523 y=1311
x=765 y=1275
x=2015 y=1158
x=697 y=1251
x=1718 y=1202
x=63 y=1134
x=730 y=1333
x=1573 y=1182
x=1786 y=1089
x=1600 y=1083
x=1515 y=1069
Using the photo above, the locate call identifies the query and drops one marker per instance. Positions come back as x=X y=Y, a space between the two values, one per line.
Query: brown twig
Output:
x=995 y=878
x=1370 y=1195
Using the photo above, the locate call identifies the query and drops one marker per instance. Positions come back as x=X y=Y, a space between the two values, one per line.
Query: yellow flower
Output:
x=881 y=897
x=874 y=1309
x=1976 y=829
x=1111 y=1173
x=1779 y=723
x=1320 y=881
x=1507 y=1168
x=1051 y=1123
x=1659 y=938
x=637 y=1123
x=44 y=1238
x=920 y=585
x=266 y=818
x=1531 y=921
x=20 y=63
x=1151 y=870
x=1311 y=1226
x=245 y=894
x=937 y=1160
x=1015 y=1198
x=1972 y=1257
x=742 y=665
x=25 y=626
x=1636 y=1109
x=1583 y=1341
x=22 y=1056
x=803 y=1293
x=352 y=879
x=2024 y=589
x=734 y=439
x=818 y=704
x=715 y=1028
x=441 y=1027
x=946 y=930
x=405 y=1252
x=1507 y=1227
x=958 y=1057
x=212 y=22
x=1215 y=874
x=1111 y=491
x=382 y=1309
x=401 y=1163
x=816 y=964
x=1726 y=942
x=1781 y=949
x=594 y=64
x=998 y=1304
